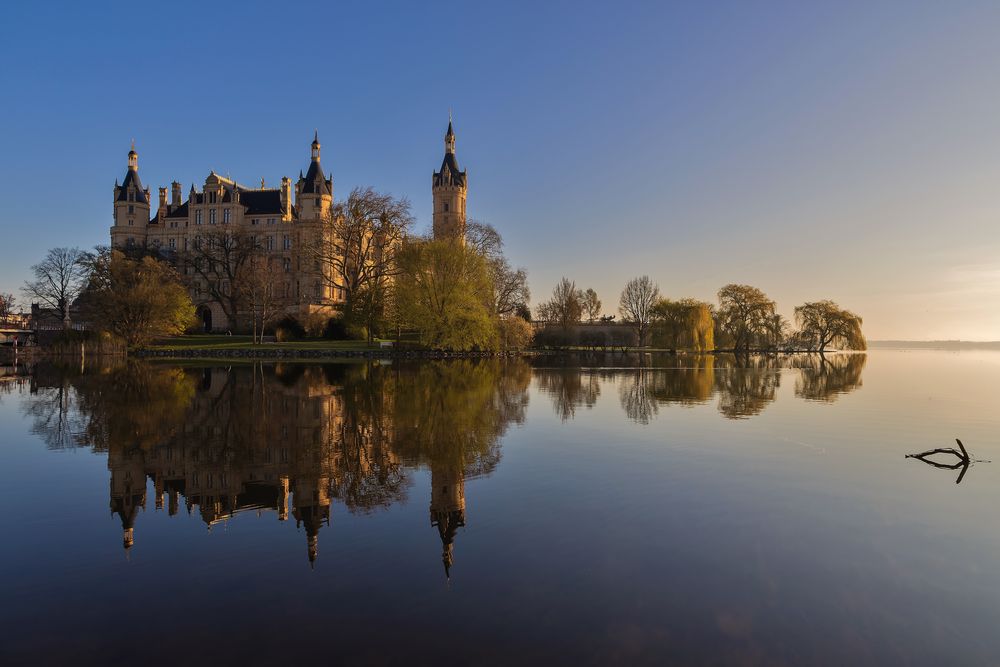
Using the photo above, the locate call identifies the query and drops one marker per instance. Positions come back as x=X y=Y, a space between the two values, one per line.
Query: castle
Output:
x=284 y=225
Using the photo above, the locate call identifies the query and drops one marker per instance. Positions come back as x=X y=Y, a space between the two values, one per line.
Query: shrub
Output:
x=335 y=329
x=314 y=325
x=515 y=333
x=288 y=328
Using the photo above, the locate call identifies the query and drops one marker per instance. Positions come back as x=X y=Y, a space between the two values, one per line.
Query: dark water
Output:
x=658 y=511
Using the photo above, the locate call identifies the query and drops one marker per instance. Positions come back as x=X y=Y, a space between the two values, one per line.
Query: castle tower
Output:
x=314 y=191
x=449 y=188
x=131 y=207
x=447 y=508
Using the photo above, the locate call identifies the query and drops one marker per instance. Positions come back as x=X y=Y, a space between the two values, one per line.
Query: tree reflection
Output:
x=687 y=381
x=569 y=388
x=636 y=395
x=449 y=417
x=747 y=385
x=826 y=378
x=287 y=438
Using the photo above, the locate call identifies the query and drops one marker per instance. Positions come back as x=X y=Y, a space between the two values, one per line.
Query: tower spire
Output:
x=449 y=137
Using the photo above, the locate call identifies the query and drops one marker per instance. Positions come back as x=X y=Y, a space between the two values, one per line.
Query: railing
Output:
x=15 y=321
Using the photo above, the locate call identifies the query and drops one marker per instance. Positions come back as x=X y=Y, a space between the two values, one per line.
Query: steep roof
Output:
x=179 y=212
x=257 y=202
x=450 y=174
x=132 y=178
x=314 y=182
x=260 y=202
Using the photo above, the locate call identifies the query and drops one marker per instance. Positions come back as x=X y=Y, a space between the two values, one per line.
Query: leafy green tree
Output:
x=137 y=300
x=824 y=323
x=515 y=333
x=444 y=291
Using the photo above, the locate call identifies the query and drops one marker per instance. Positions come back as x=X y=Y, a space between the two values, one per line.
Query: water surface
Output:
x=587 y=510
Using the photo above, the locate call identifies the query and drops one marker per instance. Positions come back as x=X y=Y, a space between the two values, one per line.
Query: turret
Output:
x=314 y=191
x=131 y=207
x=449 y=188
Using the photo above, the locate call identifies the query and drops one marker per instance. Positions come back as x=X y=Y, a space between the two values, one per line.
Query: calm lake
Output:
x=585 y=510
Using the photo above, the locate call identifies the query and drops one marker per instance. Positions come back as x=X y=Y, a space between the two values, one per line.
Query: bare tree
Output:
x=7 y=303
x=258 y=284
x=483 y=238
x=636 y=304
x=510 y=286
x=591 y=305
x=566 y=305
x=218 y=260
x=745 y=314
x=59 y=279
x=825 y=323
x=356 y=250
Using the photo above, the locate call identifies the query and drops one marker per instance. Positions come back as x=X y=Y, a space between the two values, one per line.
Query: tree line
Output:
x=745 y=320
x=383 y=281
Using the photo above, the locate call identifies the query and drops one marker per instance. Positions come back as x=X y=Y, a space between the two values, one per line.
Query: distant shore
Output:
x=934 y=344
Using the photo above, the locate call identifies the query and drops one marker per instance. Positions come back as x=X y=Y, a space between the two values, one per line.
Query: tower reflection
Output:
x=286 y=438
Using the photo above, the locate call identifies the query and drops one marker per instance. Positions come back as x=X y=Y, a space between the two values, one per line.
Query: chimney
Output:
x=175 y=194
x=286 y=196
x=163 y=198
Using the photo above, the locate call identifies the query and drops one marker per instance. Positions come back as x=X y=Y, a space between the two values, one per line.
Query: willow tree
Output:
x=686 y=323
x=443 y=290
x=745 y=314
x=824 y=323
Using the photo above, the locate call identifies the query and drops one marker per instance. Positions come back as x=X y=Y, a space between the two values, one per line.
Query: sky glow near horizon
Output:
x=835 y=150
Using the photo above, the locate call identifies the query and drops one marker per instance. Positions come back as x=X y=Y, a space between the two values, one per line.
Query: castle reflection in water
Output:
x=294 y=439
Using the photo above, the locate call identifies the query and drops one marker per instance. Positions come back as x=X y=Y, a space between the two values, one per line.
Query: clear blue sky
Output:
x=845 y=150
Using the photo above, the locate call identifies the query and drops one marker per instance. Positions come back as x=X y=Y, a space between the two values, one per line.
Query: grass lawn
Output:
x=218 y=342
